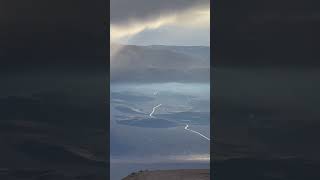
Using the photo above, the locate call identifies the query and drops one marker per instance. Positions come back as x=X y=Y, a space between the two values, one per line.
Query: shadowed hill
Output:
x=160 y=64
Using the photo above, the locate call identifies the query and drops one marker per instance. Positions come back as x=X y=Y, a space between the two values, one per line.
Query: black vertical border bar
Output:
x=212 y=5
x=107 y=98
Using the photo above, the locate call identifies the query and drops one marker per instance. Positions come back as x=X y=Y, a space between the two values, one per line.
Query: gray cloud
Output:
x=123 y=10
x=173 y=36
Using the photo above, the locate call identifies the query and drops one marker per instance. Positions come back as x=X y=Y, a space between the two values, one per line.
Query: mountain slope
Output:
x=160 y=64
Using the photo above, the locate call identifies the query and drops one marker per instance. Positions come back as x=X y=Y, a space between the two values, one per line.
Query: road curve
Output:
x=153 y=110
x=187 y=128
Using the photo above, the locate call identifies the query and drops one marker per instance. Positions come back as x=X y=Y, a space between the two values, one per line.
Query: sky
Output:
x=41 y=30
x=153 y=22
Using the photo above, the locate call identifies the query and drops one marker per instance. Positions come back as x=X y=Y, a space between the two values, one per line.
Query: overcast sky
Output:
x=166 y=22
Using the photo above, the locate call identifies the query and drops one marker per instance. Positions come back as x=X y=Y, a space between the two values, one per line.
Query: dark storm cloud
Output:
x=124 y=10
x=46 y=32
x=49 y=13
x=266 y=33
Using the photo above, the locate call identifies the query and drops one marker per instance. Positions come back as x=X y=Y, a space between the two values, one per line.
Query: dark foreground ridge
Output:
x=273 y=168
x=186 y=174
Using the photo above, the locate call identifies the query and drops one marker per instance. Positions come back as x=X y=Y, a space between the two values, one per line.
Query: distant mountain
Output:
x=130 y=63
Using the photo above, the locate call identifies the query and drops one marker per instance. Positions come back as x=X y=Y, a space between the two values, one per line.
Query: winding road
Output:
x=153 y=110
x=187 y=128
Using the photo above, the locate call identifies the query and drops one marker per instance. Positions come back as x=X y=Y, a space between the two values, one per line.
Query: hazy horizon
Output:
x=160 y=86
